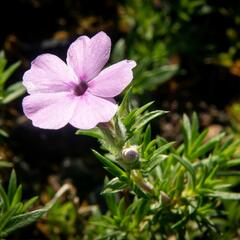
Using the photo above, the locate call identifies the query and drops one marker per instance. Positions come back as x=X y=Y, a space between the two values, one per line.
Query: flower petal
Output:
x=49 y=110
x=112 y=80
x=91 y=110
x=88 y=56
x=48 y=73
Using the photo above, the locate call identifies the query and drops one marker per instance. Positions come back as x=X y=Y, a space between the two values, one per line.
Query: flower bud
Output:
x=130 y=156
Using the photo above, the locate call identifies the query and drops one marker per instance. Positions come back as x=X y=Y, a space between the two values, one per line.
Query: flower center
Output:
x=81 y=88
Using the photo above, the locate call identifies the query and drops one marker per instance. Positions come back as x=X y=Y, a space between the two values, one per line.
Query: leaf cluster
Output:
x=173 y=189
x=14 y=212
x=13 y=91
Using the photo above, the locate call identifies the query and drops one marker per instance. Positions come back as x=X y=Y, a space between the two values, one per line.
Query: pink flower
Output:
x=79 y=92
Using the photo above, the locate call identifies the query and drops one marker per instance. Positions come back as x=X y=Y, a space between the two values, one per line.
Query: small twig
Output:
x=66 y=187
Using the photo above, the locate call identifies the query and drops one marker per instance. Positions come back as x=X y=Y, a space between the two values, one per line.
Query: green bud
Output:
x=130 y=154
x=130 y=157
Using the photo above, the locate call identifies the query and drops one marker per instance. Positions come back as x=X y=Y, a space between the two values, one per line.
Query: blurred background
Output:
x=188 y=56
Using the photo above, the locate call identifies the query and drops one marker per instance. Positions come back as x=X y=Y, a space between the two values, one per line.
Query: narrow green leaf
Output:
x=110 y=166
x=179 y=223
x=150 y=148
x=232 y=163
x=4 y=198
x=121 y=208
x=125 y=107
x=231 y=148
x=114 y=185
x=12 y=92
x=143 y=108
x=17 y=196
x=187 y=132
x=12 y=186
x=226 y=195
x=146 y=118
x=22 y=220
x=8 y=72
x=142 y=209
x=5 y=164
x=198 y=141
x=131 y=209
x=162 y=149
x=3 y=61
x=7 y=216
x=146 y=137
x=153 y=162
x=195 y=125
x=135 y=113
x=208 y=146
x=28 y=204
x=120 y=129
x=118 y=50
x=3 y=133
x=188 y=167
x=94 y=132
x=111 y=202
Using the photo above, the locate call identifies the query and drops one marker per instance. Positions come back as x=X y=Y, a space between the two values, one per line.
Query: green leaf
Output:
x=4 y=198
x=156 y=77
x=12 y=92
x=12 y=186
x=8 y=72
x=142 y=109
x=142 y=209
x=28 y=204
x=22 y=220
x=146 y=138
x=188 y=167
x=114 y=185
x=232 y=163
x=130 y=118
x=118 y=51
x=198 y=141
x=5 y=164
x=125 y=107
x=120 y=130
x=3 y=61
x=3 y=133
x=162 y=149
x=17 y=196
x=148 y=166
x=111 y=202
x=121 y=209
x=156 y=158
x=94 y=132
x=110 y=166
x=146 y=118
x=7 y=216
x=226 y=195
x=208 y=146
x=195 y=125
x=187 y=132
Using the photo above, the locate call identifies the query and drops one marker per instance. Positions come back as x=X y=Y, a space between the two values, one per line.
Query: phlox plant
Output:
x=154 y=189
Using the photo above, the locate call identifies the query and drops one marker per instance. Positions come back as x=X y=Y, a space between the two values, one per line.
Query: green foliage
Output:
x=169 y=38
x=8 y=94
x=174 y=189
x=14 y=213
x=61 y=221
